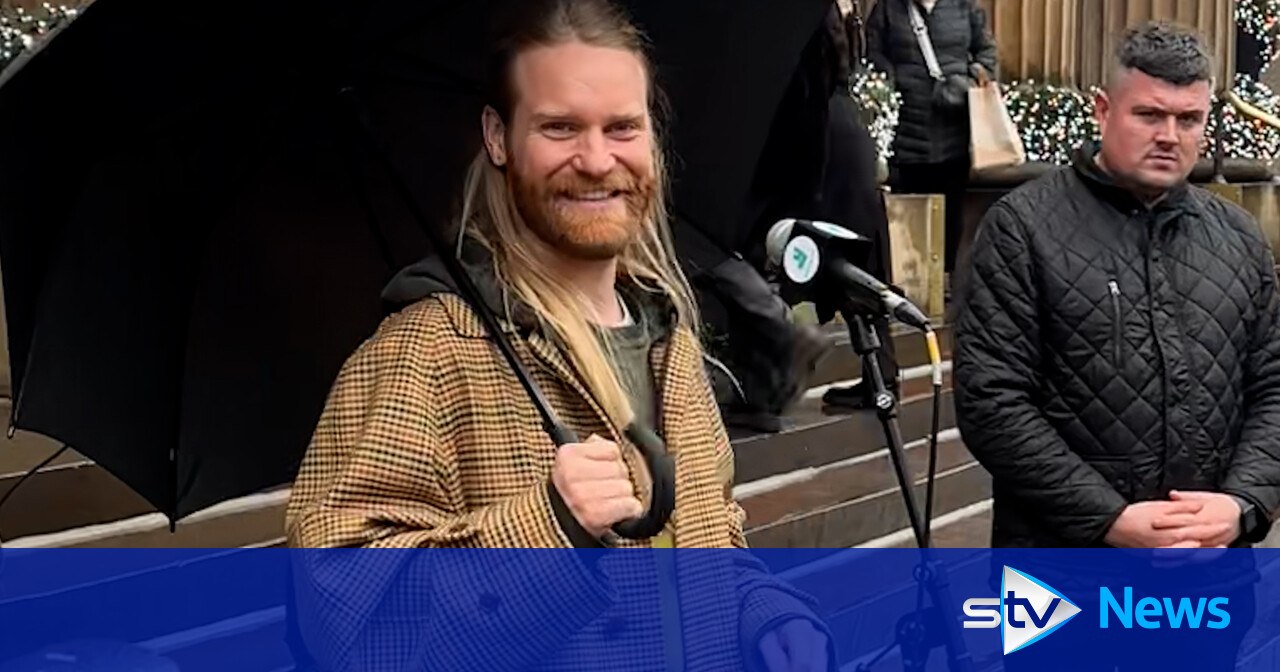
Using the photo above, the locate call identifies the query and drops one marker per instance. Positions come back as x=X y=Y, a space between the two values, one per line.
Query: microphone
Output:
x=815 y=254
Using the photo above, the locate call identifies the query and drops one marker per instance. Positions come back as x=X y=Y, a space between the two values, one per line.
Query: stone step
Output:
x=910 y=350
x=70 y=491
x=852 y=504
x=843 y=481
x=971 y=531
x=823 y=436
x=27 y=449
x=253 y=521
x=258 y=524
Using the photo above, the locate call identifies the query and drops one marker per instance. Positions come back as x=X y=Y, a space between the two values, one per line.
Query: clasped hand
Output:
x=1187 y=520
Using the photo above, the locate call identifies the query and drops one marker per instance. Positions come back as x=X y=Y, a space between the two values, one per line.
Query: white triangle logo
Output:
x=1031 y=610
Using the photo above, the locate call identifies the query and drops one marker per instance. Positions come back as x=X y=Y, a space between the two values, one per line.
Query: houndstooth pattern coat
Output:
x=429 y=441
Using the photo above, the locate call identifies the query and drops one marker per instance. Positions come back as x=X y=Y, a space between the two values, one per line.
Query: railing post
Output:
x=1218 y=135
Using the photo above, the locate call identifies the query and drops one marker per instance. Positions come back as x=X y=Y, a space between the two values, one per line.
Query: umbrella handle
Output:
x=662 y=473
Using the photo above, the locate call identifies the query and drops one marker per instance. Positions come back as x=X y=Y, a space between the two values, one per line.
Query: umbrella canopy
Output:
x=192 y=241
x=725 y=65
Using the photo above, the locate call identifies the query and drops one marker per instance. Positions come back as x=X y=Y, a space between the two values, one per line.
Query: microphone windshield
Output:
x=776 y=241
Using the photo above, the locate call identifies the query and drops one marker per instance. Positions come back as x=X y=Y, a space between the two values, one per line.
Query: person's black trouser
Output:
x=762 y=339
x=951 y=179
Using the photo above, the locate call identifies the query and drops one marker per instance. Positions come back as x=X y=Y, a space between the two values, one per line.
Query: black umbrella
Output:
x=194 y=235
x=185 y=262
x=725 y=64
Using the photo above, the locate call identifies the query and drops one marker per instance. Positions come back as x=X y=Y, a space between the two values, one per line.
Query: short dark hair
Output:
x=1165 y=51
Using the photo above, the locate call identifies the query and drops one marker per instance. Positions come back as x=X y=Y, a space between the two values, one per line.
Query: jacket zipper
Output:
x=1117 y=321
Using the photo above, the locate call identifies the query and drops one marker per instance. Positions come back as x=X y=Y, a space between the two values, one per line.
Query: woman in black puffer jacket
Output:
x=931 y=150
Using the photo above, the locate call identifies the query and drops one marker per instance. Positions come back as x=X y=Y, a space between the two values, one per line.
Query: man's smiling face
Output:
x=579 y=147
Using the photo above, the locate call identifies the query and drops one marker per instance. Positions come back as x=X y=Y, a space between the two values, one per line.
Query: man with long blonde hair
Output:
x=428 y=439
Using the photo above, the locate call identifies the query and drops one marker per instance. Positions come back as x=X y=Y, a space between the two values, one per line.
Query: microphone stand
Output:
x=920 y=631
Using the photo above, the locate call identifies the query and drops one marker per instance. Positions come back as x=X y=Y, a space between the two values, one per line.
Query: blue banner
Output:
x=626 y=609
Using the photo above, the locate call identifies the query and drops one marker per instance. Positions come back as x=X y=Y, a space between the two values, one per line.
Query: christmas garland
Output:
x=1054 y=120
x=1051 y=120
x=1245 y=137
x=20 y=30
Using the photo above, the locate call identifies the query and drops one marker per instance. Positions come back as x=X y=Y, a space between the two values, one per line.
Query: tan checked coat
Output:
x=429 y=440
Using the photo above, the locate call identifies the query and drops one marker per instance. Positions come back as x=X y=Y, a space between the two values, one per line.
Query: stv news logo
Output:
x=1043 y=610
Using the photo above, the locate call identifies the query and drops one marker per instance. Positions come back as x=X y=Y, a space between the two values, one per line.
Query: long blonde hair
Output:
x=489 y=213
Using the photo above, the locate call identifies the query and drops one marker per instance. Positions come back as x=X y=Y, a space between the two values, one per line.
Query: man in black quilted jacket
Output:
x=1118 y=348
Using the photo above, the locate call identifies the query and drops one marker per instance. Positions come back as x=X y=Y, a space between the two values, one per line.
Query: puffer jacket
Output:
x=958 y=28
x=1107 y=353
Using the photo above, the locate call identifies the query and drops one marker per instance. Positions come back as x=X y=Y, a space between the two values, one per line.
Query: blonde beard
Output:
x=591 y=238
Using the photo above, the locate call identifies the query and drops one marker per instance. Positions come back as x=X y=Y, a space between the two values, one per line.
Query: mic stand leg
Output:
x=867 y=344
x=922 y=630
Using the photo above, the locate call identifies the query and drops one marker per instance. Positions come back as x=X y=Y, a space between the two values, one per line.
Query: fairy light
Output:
x=1051 y=120
x=20 y=29
x=1245 y=137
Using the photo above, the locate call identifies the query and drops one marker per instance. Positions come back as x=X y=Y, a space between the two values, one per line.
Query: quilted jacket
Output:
x=1107 y=353
x=927 y=133
x=429 y=441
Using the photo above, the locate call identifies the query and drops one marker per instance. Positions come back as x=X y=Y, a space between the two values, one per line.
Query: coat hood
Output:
x=430 y=277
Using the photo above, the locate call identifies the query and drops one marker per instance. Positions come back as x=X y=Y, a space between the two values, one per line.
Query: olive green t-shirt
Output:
x=629 y=346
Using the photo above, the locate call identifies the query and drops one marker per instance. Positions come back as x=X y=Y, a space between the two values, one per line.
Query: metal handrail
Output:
x=1251 y=110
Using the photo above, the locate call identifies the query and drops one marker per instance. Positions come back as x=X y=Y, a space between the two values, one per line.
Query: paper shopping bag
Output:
x=994 y=138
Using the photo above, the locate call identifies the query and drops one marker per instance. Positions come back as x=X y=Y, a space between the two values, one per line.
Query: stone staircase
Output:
x=830 y=482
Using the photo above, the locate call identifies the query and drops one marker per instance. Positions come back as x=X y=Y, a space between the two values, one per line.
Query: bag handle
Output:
x=922 y=37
